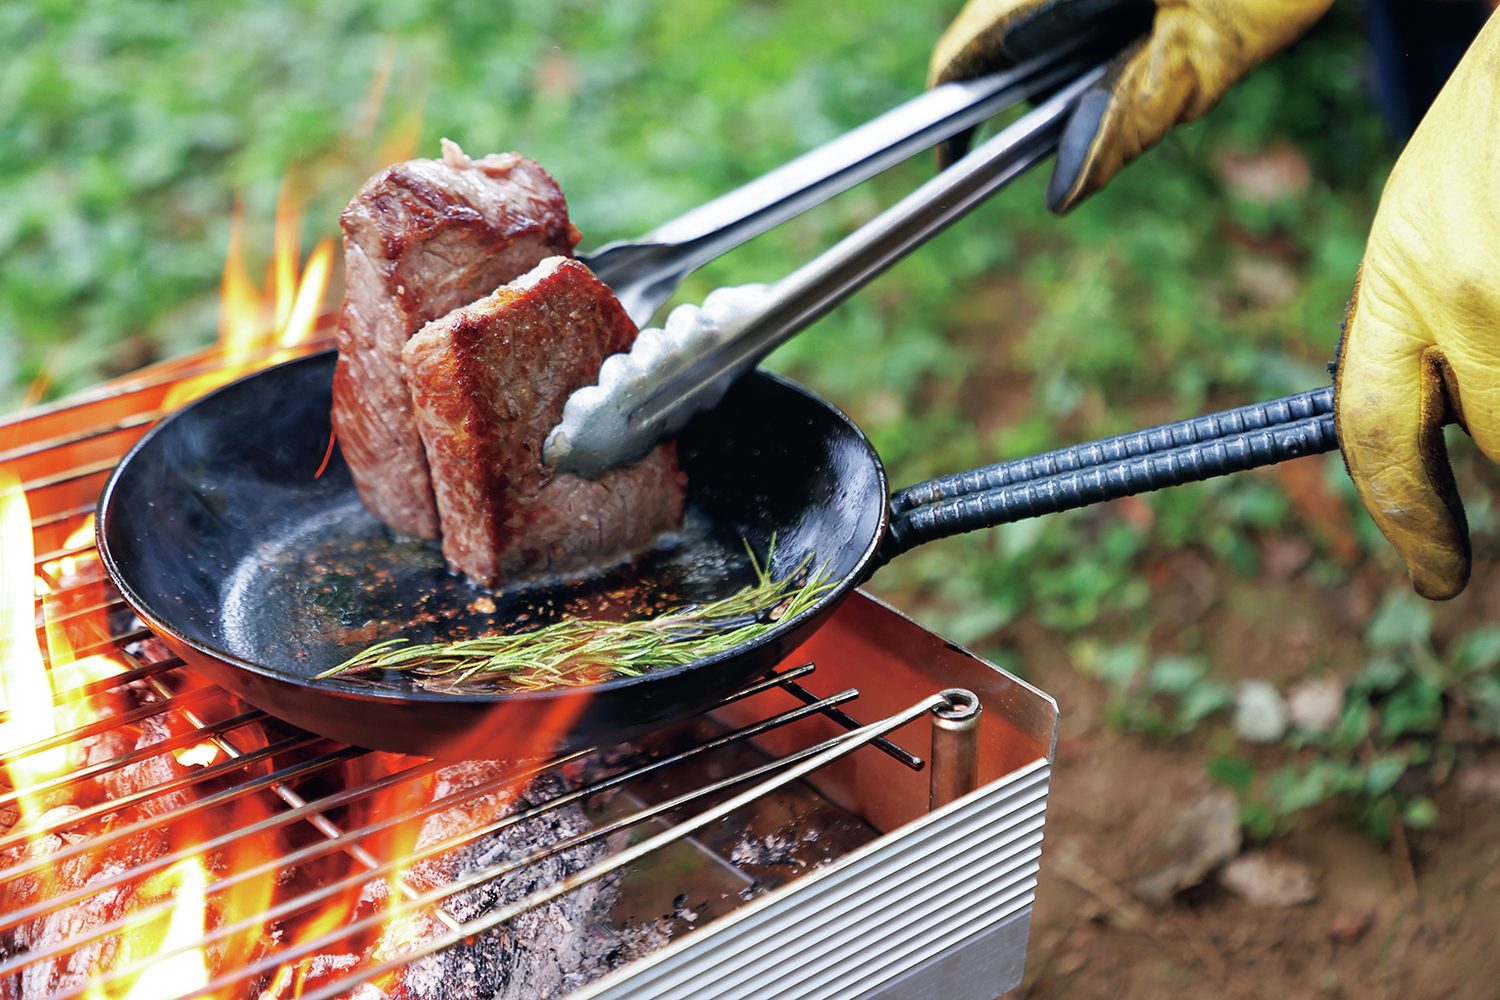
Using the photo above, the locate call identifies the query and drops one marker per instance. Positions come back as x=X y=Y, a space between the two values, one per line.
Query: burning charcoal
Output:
x=142 y=774
x=545 y=952
x=47 y=935
x=50 y=934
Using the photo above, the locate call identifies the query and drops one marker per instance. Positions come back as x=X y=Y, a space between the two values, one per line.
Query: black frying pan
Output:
x=260 y=573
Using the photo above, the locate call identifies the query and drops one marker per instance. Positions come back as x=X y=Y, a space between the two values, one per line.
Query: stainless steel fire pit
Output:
x=867 y=822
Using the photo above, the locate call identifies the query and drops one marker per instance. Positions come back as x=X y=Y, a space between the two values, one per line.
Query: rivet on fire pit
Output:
x=955 y=747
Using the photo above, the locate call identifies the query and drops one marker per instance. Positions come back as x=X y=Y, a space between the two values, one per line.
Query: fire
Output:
x=199 y=755
x=253 y=322
x=43 y=697
x=56 y=682
x=25 y=689
x=81 y=537
x=184 y=884
x=291 y=980
x=39 y=695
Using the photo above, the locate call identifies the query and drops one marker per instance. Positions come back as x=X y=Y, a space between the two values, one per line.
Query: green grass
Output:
x=132 y=127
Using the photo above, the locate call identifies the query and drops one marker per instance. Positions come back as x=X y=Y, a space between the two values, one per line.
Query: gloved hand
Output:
x=1192 y=52
x=1422 y=336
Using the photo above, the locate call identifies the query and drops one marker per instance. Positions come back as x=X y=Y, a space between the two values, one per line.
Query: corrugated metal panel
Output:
x=878 y=915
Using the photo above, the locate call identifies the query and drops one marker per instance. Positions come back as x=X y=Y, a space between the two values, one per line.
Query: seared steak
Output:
x=421 y=239
x=488 y=381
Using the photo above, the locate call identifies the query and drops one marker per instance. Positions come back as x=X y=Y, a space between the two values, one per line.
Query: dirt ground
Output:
x=1416 y=920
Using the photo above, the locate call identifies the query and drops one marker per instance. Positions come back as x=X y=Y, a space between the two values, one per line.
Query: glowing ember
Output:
x=199 y=755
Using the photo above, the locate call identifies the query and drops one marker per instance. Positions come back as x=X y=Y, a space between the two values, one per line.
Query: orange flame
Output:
x=25 y=689
x=183 y=924
x=252 y=322
x=43 y=697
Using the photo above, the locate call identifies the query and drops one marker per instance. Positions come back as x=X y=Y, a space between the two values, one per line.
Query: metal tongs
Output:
x=685 y=366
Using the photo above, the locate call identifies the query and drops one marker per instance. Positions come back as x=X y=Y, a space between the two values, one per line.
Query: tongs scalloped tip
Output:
x=620 y=416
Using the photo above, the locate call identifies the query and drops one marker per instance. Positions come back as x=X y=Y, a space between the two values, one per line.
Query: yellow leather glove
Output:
x=1422 y=337
x=1192 y=52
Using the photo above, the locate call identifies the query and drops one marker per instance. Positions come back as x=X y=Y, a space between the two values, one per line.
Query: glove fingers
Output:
x=1077 y=149
x=989 y=35
x=1143 y=95
x=1390 y=400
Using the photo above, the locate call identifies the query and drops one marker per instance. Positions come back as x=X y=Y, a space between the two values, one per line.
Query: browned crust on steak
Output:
x=488 y=382
x=421 y=239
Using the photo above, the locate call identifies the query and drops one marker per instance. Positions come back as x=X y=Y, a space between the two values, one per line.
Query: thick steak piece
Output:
x=488 y=381
x=421 y=239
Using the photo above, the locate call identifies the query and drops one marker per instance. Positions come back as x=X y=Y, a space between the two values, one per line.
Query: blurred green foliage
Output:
x=1211 y=273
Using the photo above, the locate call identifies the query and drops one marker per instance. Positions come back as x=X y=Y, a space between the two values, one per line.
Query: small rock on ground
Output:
x=1200 y=839
x=1350 y=925
x=1260 y=713
x=1315 y=704
x=1265 y=879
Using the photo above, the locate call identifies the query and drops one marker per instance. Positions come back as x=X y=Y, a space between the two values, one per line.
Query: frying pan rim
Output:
x=352 y=689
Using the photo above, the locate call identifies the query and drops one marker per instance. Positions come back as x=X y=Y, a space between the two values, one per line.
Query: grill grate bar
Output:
x=102 y=767
x=104 y=606
x=326 y=803
x=436 y=895
x=72 y=475
x=104 y=725
x=214 y=362
x=910 y=760
x=792 y=767
x=325 y=826
x=107 y=683
x=308 y=853
x=121 y=679
x=73 y=550
x=47 y=520
x=41 y=908
x=116 y=803
x=79 y=437
x=768 y=682
x=447 y=802
x=109 y=645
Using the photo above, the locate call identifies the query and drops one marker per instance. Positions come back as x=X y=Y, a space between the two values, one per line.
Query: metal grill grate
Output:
x=63 y=453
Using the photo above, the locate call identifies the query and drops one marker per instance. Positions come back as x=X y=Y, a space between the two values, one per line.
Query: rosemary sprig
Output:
x=582 y=651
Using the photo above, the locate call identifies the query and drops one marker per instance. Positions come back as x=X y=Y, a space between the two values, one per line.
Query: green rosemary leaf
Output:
x=583 y=651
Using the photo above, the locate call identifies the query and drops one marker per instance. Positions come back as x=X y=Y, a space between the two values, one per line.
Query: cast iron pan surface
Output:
x=261 y=574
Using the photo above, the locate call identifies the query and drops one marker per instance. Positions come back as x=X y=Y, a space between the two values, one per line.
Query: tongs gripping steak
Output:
x=421 y=239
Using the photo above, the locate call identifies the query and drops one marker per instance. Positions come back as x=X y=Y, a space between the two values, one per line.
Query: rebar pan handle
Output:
x=1187 y=451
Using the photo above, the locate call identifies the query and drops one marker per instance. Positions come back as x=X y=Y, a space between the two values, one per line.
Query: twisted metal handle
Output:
x=1186 y=451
